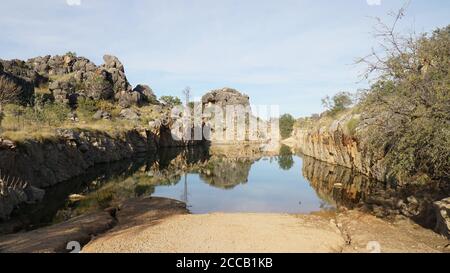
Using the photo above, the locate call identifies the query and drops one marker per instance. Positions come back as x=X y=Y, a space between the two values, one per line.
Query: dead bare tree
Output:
x=391 y=44
x=9 y=91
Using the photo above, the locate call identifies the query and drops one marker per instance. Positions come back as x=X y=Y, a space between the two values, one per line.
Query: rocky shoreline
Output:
x=44 y=164
x=426 y=204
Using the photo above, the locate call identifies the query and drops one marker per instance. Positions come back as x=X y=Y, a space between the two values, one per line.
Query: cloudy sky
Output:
x=287 y=52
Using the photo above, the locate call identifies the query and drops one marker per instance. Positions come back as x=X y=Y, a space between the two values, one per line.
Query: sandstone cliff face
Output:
x=333 y=145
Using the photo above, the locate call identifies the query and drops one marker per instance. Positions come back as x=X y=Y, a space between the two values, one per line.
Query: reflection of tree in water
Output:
x=285 y=159
x=226 y=173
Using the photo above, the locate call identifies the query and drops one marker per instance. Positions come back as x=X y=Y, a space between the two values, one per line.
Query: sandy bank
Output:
x=153 y=225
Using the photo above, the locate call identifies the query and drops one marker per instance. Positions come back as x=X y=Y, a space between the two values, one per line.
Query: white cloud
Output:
x=73 y=2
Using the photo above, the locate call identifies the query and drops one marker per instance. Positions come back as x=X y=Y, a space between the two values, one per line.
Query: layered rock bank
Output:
x=46 y=163
x=335 y=142
x=332 y=144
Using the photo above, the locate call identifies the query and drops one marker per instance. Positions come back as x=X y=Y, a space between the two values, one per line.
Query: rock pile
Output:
x=68 y=77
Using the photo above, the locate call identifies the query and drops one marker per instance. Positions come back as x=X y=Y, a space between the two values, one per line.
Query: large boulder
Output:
x=99 y=86
x=112 y=62
x=117 y=71
x=129 y=114
x=128 y=98
x=442 y=209
x=226 y=96
x=147 y=94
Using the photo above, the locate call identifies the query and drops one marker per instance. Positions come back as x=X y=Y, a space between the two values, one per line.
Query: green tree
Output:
x=286 y=125
x=338 y=102
x=170 y=100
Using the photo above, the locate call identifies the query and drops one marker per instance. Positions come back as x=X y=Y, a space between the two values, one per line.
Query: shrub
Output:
x=352 y=125
x=86 y=107
x=54 y=114
x=170 y=100
x=71 y=54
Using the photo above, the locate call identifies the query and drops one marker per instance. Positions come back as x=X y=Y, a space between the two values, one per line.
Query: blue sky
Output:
x=288 y=52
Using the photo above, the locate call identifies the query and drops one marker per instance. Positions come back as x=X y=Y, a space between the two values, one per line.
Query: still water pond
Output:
x=263 y=187
x=207 y=180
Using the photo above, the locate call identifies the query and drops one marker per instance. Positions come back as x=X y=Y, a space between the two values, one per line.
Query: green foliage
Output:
x=86 y=107
x=409 y=107
x=71 y=54
x=286 y=125
x=338 y=102
x=51 y=114
x=351 y=125
x=170 y=100
x=55 y=114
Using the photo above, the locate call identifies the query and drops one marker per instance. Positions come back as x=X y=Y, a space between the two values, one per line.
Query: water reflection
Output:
x=225 y=178
x=337 y=185
x=285 y=159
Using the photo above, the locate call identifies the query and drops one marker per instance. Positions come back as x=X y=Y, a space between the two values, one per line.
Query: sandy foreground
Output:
x=155 y=225
x=267 y=233
x=225 y=233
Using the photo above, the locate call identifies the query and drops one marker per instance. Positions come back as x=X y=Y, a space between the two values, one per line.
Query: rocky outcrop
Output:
x=69 y=77
x=332 y=144
x=225 y=96
x=146 y=93
x=245 y=127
